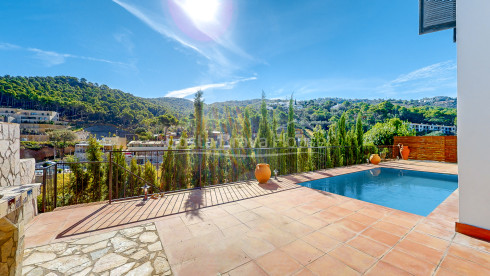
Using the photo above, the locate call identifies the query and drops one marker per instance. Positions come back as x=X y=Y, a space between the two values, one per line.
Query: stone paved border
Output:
x=132 y=251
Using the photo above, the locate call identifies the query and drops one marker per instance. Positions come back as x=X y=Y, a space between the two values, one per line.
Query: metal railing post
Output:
x=44 y=191
x=200 y=165
x=55 y=185
x=110 y=177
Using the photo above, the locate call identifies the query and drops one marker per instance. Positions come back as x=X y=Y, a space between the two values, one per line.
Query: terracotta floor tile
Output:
x=352 y=257
x=409 y=263
x=321 y=241
x=428 y=240
x=406 y=216
x=304 y=272
x=327 y=216
x=273 y=235
x=372 y=213
x=302 y=252
x=463 y=267
x=215 y=212
x=298 y=229
x=202 y=228
x=237 y=230
x=445 y=272
x=420 y=251
x=391 y=228
x=245 y=216
x=369 y=246
x=233 y=208
x=175 y=235
x=399 y=221
x=226 y=221
x=313 y=222
x=294 y=213
x=39 y=228
x=352 y=225
x=471 y=242
x=212 y=264
x=255 y=247
x=248 y=269
x=328 y=265
x=339 y=211
x=278 y=263
x=366 y=220
x=435 y=231
x=308 y=209
x=470 y=254
x=381 y=236
x=184 y=251
x=353 y=205
x=338 y=232
x=279 y=221
x=40 y=239
x=249 y=204
x=385 y=269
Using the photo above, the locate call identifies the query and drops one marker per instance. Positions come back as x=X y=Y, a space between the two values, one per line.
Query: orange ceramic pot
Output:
x=262 y=173
x=405 y=152
x=374 y=159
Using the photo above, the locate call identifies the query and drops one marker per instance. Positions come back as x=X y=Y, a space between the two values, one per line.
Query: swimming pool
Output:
x=410 y=191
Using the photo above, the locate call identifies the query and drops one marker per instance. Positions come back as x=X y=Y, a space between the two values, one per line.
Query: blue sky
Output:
x=231 y=49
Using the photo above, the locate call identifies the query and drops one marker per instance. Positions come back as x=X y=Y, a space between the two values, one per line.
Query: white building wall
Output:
x=473 y=43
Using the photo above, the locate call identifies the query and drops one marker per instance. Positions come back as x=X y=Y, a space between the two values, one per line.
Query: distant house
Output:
x=143 y=151
x=430 y=128
x=106 y=145
x=16 y=115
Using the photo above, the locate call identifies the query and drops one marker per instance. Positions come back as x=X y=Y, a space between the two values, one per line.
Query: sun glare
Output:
x=204 y=20
x=200 y=11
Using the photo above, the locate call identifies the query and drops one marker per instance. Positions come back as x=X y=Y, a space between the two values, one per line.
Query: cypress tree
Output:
x=360 y=138
x=341 y=138
x=200 y=139
x=150 y=174
x=303 y=156
x=247 y=144
x=263 y=136
x=135 y=183
x=182 y=162
x=94 y=154
x=291 y=139
x=167 y=168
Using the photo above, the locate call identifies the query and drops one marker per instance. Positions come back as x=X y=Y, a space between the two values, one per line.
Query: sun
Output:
x=200 y=11
x=203 y=20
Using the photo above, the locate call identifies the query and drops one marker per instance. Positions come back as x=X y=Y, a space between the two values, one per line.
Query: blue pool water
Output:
x=410 y=191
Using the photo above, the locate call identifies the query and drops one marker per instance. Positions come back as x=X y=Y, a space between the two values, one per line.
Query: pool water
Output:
x=410 y=191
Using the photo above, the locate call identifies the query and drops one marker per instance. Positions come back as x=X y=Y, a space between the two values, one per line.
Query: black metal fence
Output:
x=129 y=174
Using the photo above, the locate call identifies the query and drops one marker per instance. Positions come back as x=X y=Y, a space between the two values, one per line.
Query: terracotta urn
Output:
x=374 y=159
x=262 y=173
x=405 y=152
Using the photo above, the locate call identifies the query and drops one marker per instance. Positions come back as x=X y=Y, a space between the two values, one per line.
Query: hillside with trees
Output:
x=77 y=100
x=84 y=103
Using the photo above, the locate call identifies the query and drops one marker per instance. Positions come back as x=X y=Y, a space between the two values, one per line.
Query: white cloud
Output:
x=8 y=46
x=433 y=80
x=48 y=57
x=182 y=93
x=51 y=58
x=428 y=78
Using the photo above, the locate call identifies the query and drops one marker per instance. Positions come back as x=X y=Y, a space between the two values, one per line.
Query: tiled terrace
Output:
x=275 y=229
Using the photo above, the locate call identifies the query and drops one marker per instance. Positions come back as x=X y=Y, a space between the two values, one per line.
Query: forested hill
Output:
x=85 y=103
x=77 y=100
x=178 y=106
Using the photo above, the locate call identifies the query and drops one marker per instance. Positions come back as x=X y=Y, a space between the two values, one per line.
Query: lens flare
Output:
x=203 y=20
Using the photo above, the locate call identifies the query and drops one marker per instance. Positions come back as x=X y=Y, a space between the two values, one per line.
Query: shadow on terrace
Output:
x=120 y=213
